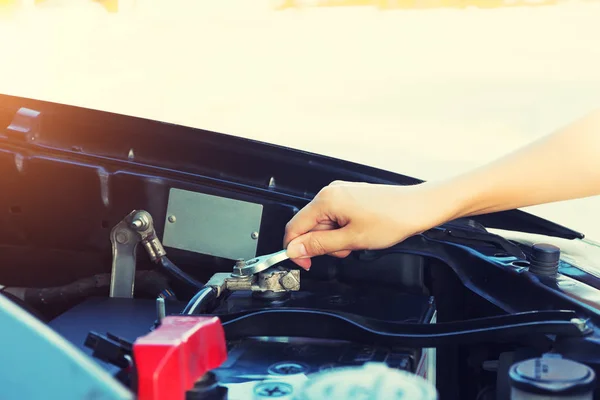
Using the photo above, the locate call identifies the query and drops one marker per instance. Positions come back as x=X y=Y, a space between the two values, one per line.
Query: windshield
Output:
x=425 y=88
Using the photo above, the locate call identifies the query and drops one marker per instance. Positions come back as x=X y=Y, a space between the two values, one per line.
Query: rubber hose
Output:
x=174 y=271
x=201 y=300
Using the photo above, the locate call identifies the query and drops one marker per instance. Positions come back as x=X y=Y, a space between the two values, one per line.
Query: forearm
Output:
x=561 y=166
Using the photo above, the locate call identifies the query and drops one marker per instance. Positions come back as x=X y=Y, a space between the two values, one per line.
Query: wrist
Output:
x=455 y=197
x=418 y=208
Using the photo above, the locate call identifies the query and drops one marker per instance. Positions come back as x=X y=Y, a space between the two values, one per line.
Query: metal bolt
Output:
x=289 y=282
x=237 y=269
x=122 y=237
x=161 y=310
x=273 y=389
x=172 y=219
x=140 y=221
x=254 y=235
x=287 y=368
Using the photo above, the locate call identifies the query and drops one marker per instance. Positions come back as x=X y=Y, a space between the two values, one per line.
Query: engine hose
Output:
x=354 y=328
x=201 y=300
x=59 y=298
x=176 y=273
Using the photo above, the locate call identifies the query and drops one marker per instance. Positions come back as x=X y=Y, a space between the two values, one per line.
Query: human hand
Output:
x=347 y=216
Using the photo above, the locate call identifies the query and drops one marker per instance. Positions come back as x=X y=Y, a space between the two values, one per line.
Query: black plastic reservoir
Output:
x=551 y=378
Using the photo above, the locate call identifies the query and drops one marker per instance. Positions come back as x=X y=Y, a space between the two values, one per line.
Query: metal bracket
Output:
x=136 y=227
x=258 y=274
x=272 y=280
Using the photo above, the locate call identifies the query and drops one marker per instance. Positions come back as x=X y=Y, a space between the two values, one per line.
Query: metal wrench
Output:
x=255 y=265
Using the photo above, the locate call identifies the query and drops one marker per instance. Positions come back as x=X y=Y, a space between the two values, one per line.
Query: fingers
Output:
x=318 y=230
x=305 y=263
x=304 y=220
x=341 y=253
x=311 y=215
x=319 y=243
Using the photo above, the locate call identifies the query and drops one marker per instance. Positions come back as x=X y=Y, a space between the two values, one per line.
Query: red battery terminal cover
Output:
x=170 y=359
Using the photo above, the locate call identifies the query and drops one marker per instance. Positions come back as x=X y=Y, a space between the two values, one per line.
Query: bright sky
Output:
x=427 y=93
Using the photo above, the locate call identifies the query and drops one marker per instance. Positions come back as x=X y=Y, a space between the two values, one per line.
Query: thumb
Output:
x=317 y=243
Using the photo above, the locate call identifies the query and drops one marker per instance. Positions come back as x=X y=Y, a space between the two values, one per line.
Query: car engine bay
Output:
x=132 y=251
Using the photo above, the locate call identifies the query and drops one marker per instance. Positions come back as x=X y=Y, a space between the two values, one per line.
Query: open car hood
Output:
x=282 y=173
x=92 y=202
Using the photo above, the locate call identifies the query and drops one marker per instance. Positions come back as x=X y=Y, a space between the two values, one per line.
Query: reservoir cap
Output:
x=552 y=376
x=374 y=381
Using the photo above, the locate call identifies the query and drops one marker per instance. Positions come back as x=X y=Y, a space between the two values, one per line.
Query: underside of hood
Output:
x=77 y=133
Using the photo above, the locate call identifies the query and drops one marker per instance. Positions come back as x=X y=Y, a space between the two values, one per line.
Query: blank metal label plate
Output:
x=212 y=225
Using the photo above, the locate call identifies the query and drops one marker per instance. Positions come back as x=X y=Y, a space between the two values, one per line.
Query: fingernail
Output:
x=296 y=250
